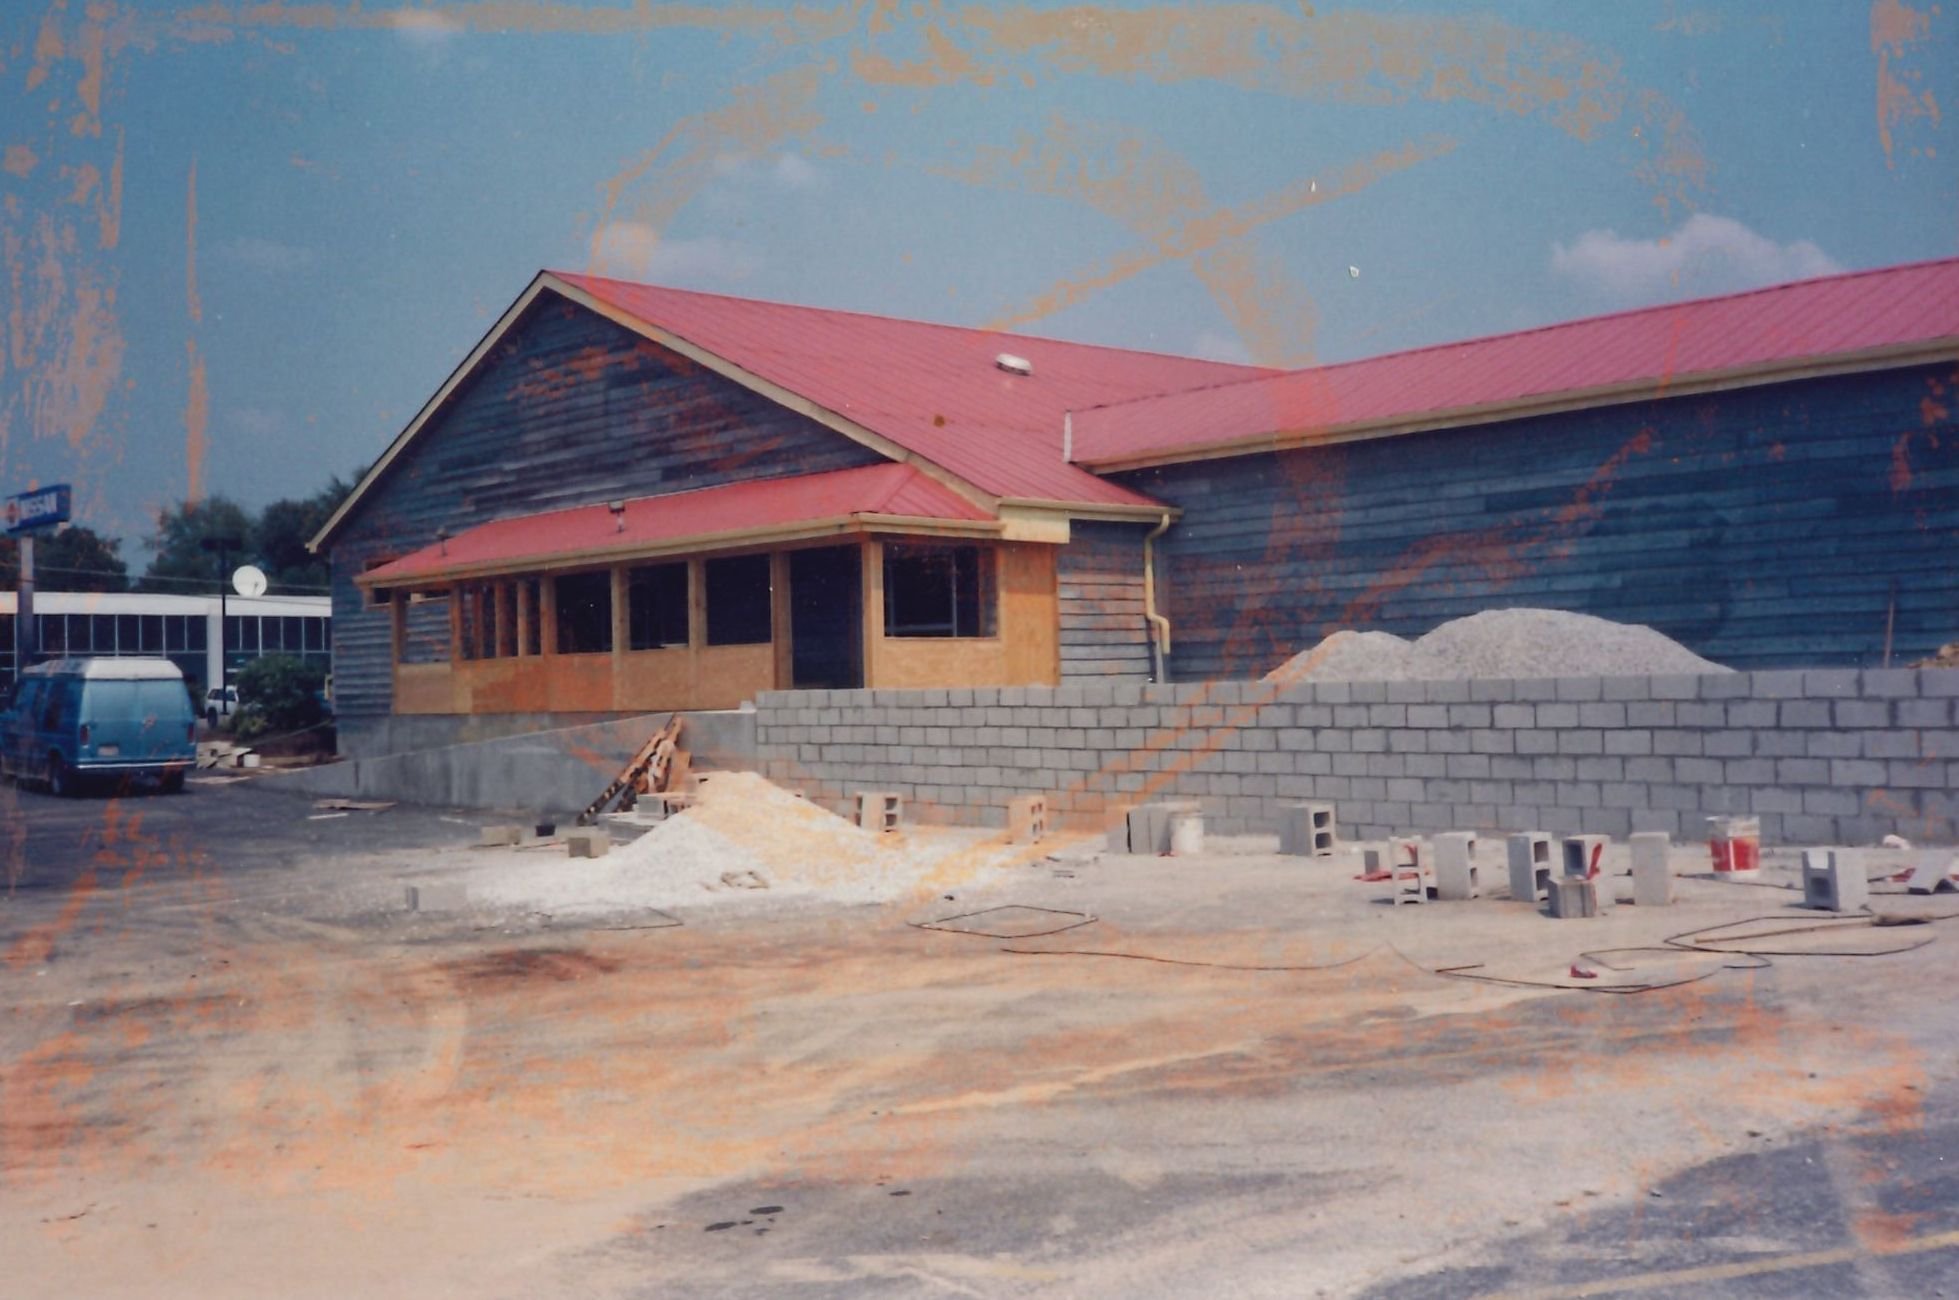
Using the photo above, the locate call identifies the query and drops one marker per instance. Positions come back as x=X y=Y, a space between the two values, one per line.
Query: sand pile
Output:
x=1497 y=643
x=745 y=838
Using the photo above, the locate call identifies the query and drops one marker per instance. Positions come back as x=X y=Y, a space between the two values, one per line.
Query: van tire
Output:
x=172 y=782
x=61 y=779
x=211 y=715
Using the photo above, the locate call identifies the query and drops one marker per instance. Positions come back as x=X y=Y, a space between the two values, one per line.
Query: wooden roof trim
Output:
x=697 y=544
x=1863 y=361
x=455 y=380
x=726 y=369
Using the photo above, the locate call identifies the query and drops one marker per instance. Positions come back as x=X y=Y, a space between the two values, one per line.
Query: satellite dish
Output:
x=248 y=580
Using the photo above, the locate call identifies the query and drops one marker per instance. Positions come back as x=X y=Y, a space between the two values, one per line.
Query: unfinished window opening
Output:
x=656 y=606
x=938 y=591
x=531 y=602
x=584 y=613
x=466 y=619
x=738 y=600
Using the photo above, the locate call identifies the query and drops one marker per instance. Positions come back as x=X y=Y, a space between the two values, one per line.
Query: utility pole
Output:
x=24 y=514
x=27 y=632
x=223 y=544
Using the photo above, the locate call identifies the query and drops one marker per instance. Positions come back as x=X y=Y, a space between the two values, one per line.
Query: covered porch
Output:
x=874 y=577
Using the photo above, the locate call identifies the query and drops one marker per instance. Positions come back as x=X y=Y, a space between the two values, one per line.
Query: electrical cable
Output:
x=1182 y=961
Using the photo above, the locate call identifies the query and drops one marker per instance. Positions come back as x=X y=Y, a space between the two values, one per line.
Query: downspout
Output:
x=1159 y=625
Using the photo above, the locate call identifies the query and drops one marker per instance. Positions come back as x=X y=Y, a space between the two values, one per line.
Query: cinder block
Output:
x=1148 y=825
x=880 y=810
x=1652 y=875
x=1833 y=882
x=1530 y=865
x=1408 y=863
x=1027 y=819
x=1584 y=858
x=496 y=836
x=587 y=842
x=1574 y=896
x=1931 y=876
x=438 y=896
x=1307 y=829
x=1455 y=866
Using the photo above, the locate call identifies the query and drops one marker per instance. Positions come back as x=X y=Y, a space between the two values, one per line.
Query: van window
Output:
x=58 y=713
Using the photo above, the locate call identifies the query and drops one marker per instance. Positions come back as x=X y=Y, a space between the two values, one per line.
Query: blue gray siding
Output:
x=1763 y=527
x=569 y=409
x=1104 y=636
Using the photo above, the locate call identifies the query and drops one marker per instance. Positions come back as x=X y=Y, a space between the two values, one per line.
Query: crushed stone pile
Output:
x=746 y=837
x=1497 y=643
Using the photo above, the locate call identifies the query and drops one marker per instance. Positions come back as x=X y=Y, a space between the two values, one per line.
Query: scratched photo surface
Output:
x=822 y=646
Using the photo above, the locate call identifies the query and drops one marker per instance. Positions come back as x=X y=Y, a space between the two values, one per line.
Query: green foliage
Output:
x=280 y=691
x=283 y=529
x=75 y=559
x=179 y=563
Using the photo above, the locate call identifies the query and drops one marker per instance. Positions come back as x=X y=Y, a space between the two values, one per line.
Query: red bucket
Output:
x=1736 y=844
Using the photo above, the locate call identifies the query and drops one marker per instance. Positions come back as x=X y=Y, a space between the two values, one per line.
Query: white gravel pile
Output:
x=1497 y=643
x=745 y=838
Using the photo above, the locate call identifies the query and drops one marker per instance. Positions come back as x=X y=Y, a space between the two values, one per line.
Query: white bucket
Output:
x=1186 y=834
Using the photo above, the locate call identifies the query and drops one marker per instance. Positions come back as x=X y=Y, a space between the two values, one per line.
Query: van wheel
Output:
x=211 y=716
x=172 y=782
x=61 y=781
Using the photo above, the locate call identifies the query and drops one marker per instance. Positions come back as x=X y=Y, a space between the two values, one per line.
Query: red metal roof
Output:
x=932 y=389
x=1636 y=352
x=890 y=489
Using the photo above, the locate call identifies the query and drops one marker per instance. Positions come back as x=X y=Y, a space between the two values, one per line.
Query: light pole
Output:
x=223 y=544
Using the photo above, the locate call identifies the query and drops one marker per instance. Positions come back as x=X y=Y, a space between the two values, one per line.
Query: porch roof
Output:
x=887 y=497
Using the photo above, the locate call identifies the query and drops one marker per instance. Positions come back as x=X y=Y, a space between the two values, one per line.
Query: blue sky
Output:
x=244 y=242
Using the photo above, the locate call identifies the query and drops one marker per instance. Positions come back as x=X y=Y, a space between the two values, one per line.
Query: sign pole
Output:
x=27 y=632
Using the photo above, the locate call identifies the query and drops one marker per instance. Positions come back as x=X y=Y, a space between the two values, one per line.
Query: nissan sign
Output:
x=41 y=508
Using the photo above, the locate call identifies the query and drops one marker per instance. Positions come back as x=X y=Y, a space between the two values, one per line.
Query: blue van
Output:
x=70 y=719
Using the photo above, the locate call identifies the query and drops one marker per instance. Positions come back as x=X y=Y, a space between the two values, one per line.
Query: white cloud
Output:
x=1708 y=254
x=267 y=255
x=788 y=171
x=426 y=28
x=635 y=250
x=1213 y=346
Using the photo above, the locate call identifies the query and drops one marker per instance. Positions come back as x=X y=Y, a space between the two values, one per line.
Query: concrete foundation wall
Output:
x=1838 y=755
x=371 y=737
x=556 y=772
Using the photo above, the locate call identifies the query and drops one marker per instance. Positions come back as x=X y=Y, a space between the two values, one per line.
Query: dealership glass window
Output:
x=197 y=632
x=241 y=634
x=584 y=613
x=150 y=638
x=102 y=632
x=656 y=606
x=127 y=637
x=738 y=604
x=932 y=591
x=54 y=634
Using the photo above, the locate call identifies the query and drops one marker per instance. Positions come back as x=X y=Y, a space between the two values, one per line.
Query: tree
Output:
x=278 y=693
x=75 y=559
x=284 y=528
x=179 y=563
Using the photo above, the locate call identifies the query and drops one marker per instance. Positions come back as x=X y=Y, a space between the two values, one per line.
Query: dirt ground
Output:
x=231 y=1066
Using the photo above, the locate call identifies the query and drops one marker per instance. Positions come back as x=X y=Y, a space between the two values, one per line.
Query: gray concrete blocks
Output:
x=1584 y=859
x=1652 y=873
x=587 y=842
x=1307 y=829
x=438 y=896
x=882 y=811
x=1573 y=897
x=1530 y=865
x=1833 y=882
x=491 y=837
x=1027 y=819
x=1408 y=871
x=1455 y=866
x=1932 y=876
x=1148 y=825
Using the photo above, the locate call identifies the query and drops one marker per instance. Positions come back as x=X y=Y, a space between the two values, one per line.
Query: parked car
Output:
x=71 y=719
x=220 y=702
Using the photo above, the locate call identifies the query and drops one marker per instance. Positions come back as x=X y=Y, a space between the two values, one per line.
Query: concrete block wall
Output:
x=1825 y=756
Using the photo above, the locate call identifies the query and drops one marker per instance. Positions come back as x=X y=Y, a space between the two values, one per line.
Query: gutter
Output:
x=1159 y=625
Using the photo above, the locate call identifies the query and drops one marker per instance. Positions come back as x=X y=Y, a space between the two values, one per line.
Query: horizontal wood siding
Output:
x=569 y=409
x=1104 y=636
x=1763 y=527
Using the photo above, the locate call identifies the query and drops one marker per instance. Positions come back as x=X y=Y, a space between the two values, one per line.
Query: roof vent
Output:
x=1014 y=365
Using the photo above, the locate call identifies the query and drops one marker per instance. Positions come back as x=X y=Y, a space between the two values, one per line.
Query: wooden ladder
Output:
x=647 y=773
